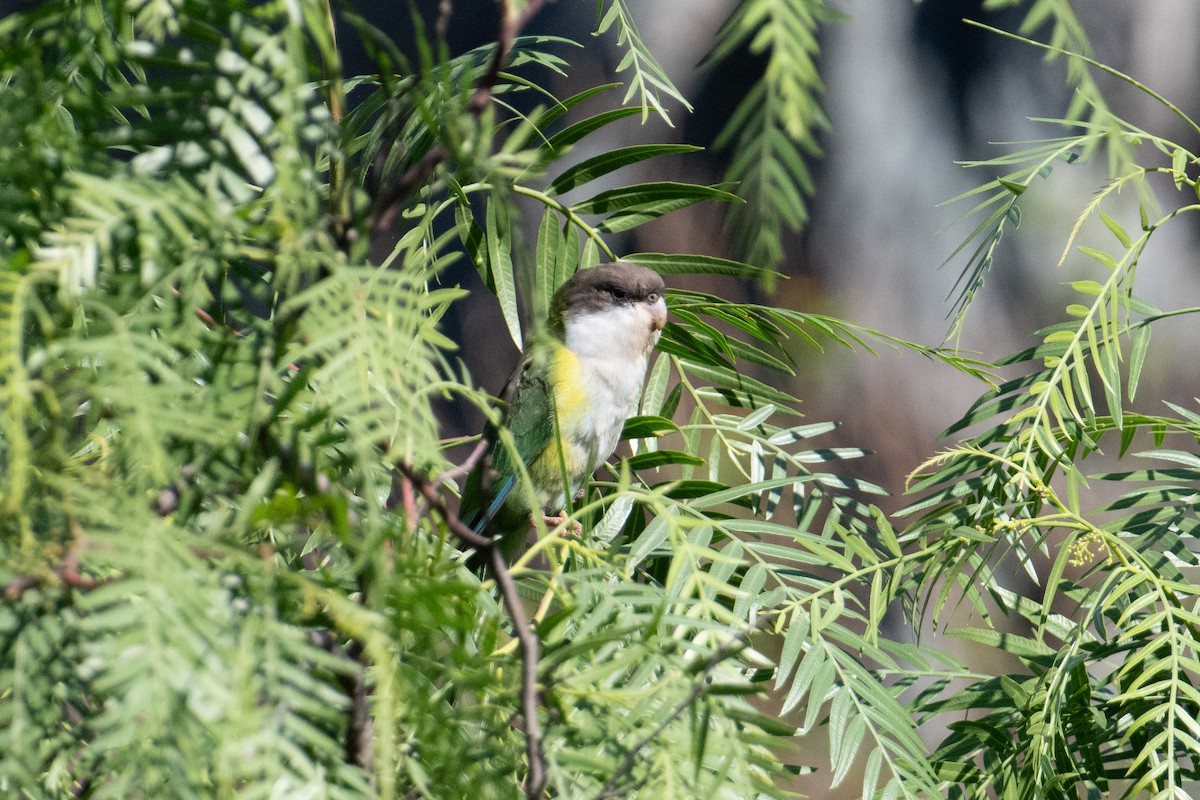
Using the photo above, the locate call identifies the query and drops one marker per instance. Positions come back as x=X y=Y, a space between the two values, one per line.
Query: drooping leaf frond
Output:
x=772 y=134
x=648 y=79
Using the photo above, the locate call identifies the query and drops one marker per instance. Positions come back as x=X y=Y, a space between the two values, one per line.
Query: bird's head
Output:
x=618 y=306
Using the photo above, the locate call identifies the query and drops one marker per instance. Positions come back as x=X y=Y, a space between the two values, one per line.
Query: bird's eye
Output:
x=652 y=298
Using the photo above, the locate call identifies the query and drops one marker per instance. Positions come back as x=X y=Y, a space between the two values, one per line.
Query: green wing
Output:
x=528 y=415
x=491 y=492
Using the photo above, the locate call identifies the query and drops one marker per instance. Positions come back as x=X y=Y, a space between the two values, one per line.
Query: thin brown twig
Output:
x=387 y=202
x=454 y=473
x=509 y=20
x=66 y=573
x=434 y=498
x=535 y=780
x=357 y=748
x=409 y=501
x=531 y=701
x=445 y=9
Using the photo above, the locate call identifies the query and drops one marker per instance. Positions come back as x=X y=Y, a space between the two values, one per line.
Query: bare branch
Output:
x=535 y=780
x=454 y=473
x=409 y=502
x=531 y=701
x=387 y=202
x=360 y=727
x=445 y=8
x=434 y=498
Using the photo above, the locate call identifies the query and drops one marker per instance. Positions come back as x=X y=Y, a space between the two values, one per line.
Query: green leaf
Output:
x=648 y=80
x=658 y=458
x=750 y=588
x=612 y=160
x=559 y=108
x=1179 y=166
x=1016 y=188
x=822 y=681
x=683 y=264
x=1178 y=456
x=654 y=394
x=871 y=773
x=846 y=731
x=798 y=433
x=1008 y=642
x=691 y=489
x=647 y=426
x=547 y=258
x=793 y=646
x=614 y=519
x=737 y=492
x=744 y=387
x=1100 y=256
x=650 y=198
x=756 y=418
x=1117 y=230
x=561 y=141
x=1088 y=287
x=811 y=665
x=1137 y=357
x=648 y=541
x=499 y=258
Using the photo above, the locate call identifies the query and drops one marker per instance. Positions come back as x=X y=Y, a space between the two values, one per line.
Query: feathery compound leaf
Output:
x=649 y=81
x=229 y=556
x=684 y=264
x=16 y=388
x=773 y=131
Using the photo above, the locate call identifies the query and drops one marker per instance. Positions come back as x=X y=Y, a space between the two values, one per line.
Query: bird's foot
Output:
x=574 y=529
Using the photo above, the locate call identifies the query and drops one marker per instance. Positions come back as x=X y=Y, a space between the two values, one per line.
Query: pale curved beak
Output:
x=658 y=314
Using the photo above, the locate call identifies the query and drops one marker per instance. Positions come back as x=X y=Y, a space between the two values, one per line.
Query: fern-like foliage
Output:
x=772 y=134
x=229 y=561
x=1105 y=133
x=207 y=384
x=647 y=79
x=1103 y=702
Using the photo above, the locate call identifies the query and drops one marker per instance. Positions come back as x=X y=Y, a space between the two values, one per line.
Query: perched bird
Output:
x=567 y=401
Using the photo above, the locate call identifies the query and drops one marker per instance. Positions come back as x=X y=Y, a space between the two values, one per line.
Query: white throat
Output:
x=617 y=333
x=612 y=345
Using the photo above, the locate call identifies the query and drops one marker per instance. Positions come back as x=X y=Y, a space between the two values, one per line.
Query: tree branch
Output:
x=459 y=528
x=535 y=780
x=454 y=473
x=531 y=699
x=445 y=8
x=66 y=573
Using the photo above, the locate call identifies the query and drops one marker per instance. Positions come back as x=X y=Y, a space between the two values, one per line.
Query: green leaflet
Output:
x=500 y=265
x=598 y=166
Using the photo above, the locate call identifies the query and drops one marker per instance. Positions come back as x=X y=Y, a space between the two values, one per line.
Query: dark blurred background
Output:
x=911 y=90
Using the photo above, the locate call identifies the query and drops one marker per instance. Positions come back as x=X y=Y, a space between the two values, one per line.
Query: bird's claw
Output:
x=574 y=529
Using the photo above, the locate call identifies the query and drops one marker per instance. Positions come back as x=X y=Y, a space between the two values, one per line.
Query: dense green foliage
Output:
x=227 y=552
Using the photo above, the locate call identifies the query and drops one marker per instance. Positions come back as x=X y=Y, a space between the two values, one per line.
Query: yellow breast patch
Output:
x=570 y=391
x=570 y=400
